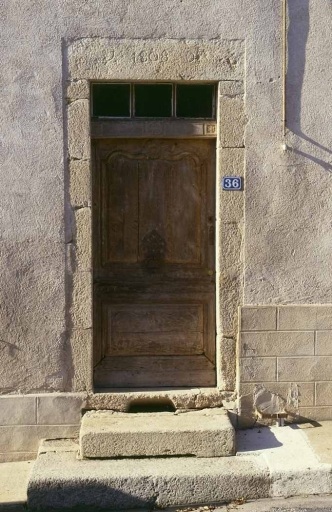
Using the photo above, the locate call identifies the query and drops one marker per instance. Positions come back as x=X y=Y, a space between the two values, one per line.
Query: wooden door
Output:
x=154 y=278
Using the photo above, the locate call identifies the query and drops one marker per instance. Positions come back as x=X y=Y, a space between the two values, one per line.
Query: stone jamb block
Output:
x=82 y=238
x=231 y=122
x=230 y=162
x=91 y=59
x=78 y=114
x=229 y=282
x=80 y=183
x=81 y=343
x=81 y=307
x=258 y=318
x=226 y=376
x=229 y=241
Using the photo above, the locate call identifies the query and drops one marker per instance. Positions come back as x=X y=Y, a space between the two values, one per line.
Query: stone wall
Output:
x=26 y=419
x=288 y=199
x=288 y=351
x=275 y=245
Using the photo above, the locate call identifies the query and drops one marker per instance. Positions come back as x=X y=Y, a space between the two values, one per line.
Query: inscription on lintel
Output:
x=102 y=58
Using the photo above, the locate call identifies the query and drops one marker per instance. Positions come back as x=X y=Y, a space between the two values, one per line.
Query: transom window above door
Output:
x=153 y=100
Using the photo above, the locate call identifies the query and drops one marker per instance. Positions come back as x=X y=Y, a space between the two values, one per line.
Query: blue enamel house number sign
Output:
x=231 y=183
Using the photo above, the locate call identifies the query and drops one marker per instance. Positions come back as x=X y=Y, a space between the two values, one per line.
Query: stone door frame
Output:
x=88 y=60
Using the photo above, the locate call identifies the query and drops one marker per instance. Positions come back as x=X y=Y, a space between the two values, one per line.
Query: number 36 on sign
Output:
x=231 y=183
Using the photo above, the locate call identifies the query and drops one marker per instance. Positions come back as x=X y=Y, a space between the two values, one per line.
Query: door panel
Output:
x=154 y=329
x=151 y=371
x=154 y=284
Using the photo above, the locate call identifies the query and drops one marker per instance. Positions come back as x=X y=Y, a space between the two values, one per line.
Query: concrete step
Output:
x=203 y=433
x=61 y=481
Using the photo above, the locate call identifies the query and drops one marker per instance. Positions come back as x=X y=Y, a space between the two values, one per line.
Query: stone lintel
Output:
x=162 y=59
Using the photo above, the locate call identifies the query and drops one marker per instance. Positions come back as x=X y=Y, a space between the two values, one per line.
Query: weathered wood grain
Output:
x=156 y=318
x=162 y=343
x=152 y=371
x=154 y=262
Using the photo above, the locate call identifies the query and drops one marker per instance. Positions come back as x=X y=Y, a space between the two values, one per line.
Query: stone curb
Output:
x=60 y=481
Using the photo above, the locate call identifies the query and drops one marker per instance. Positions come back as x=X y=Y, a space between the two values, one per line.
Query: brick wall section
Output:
x=26 y=419
x=281 y=345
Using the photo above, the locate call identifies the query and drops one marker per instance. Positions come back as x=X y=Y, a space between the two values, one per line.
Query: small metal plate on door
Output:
x=210 y=129
x=232 y=183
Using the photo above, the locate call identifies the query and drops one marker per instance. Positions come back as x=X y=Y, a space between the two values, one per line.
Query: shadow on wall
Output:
x=297 y=37
x=70 y=263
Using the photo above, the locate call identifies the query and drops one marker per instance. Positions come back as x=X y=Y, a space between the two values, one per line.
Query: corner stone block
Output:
x=79 y=130
x=83 y=238
x=315 y=413
x=81 y=308
x=26 y=438
x=276 y=343
x=59 y=409
x=258 y=369
x=306 y=392
x=324 y=393
x=258 y=318
x=17 y=410
x=305 y=369
x=324 y=343
x=80 y=183
x=232 y=122
x=296 y=318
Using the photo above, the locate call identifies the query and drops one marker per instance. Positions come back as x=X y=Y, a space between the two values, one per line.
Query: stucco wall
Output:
x=287 y=250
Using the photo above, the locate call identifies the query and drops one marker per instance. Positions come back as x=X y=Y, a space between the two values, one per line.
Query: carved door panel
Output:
x=154 y=279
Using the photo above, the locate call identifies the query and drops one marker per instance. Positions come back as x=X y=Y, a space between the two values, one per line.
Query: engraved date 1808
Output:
x=150 y=56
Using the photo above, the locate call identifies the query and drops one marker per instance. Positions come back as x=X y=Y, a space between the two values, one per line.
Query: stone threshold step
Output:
x=60 y=481
x=203 y=433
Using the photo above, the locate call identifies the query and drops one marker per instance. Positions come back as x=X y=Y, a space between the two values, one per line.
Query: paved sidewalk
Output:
x=299 y=458
x=13 y=485
x=297 y=504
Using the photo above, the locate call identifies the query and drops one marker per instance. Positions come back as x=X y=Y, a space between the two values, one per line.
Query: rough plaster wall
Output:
x=34 y=227
x=288 y=195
